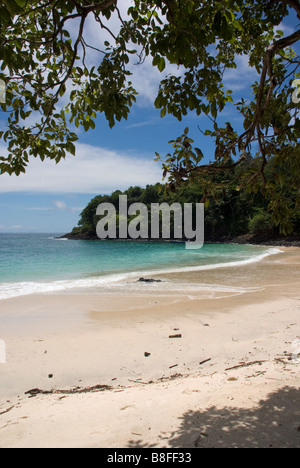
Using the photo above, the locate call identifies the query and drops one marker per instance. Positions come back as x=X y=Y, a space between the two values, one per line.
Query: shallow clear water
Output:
x=41 y=263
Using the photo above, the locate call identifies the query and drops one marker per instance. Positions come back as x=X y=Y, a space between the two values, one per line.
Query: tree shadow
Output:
x=274 y=422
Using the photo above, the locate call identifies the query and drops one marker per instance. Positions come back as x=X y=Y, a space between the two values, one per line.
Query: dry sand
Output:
x=230 y=380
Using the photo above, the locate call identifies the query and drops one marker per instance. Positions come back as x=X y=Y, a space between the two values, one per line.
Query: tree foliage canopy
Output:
x=51 y=85
x=230 y=214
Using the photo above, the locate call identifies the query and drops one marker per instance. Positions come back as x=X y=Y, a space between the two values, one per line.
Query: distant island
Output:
x=235 y=216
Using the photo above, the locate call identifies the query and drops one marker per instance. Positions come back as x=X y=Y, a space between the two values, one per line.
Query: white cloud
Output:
x=242 y=77
x=12 y=228
x=146 y=79
x=94 y=170
x=60 y=205
x=143 y=123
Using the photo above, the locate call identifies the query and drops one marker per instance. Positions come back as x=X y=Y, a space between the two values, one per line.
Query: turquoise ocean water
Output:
x=38 y=263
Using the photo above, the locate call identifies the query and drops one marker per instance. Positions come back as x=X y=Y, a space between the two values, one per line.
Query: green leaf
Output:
x=13 y=6
x=5 y=16
x=21 y=3
x=297 y=124
x=71 y=148
x=226 y=31
x=62 y=90
x=156 y=60
x=162 y=64
x=238 y=25
x=163 y=112
x=218 y=22
x=214 y=109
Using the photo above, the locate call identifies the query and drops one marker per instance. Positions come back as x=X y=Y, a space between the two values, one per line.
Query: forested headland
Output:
x=232 y=214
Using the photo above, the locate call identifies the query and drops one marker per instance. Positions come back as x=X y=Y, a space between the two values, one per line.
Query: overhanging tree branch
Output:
x=295 y=4
x=268 y=70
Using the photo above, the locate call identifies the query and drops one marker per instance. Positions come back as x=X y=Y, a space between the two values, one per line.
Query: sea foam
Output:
x=121 y=280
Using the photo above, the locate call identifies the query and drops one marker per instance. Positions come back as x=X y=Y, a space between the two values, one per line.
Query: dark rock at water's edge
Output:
x=275 y=241
x=148 y=280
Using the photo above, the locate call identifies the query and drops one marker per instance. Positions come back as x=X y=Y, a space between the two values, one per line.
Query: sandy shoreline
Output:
x=229 y=380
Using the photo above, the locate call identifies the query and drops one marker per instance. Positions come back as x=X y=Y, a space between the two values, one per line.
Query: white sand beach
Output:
x=154 y=370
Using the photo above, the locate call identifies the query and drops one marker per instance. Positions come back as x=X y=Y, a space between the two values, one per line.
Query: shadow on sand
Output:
x=274 y=422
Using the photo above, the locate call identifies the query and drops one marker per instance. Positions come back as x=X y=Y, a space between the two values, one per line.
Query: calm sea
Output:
x=39 y=263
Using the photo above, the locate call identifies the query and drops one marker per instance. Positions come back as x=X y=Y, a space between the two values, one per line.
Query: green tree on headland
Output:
x=43 y=60
x=229 y=214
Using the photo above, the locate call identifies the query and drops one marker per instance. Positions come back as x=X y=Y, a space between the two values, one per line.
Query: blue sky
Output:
x=50 y=197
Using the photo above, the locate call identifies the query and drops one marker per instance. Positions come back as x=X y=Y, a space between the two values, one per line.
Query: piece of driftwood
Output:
x=172 y=377
x=7 y=411
x=204 y=362
x=140 y=382
x=96 y=388
x=175 y=336
x=245 y=364
x=284 y=359
x=256 y=375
